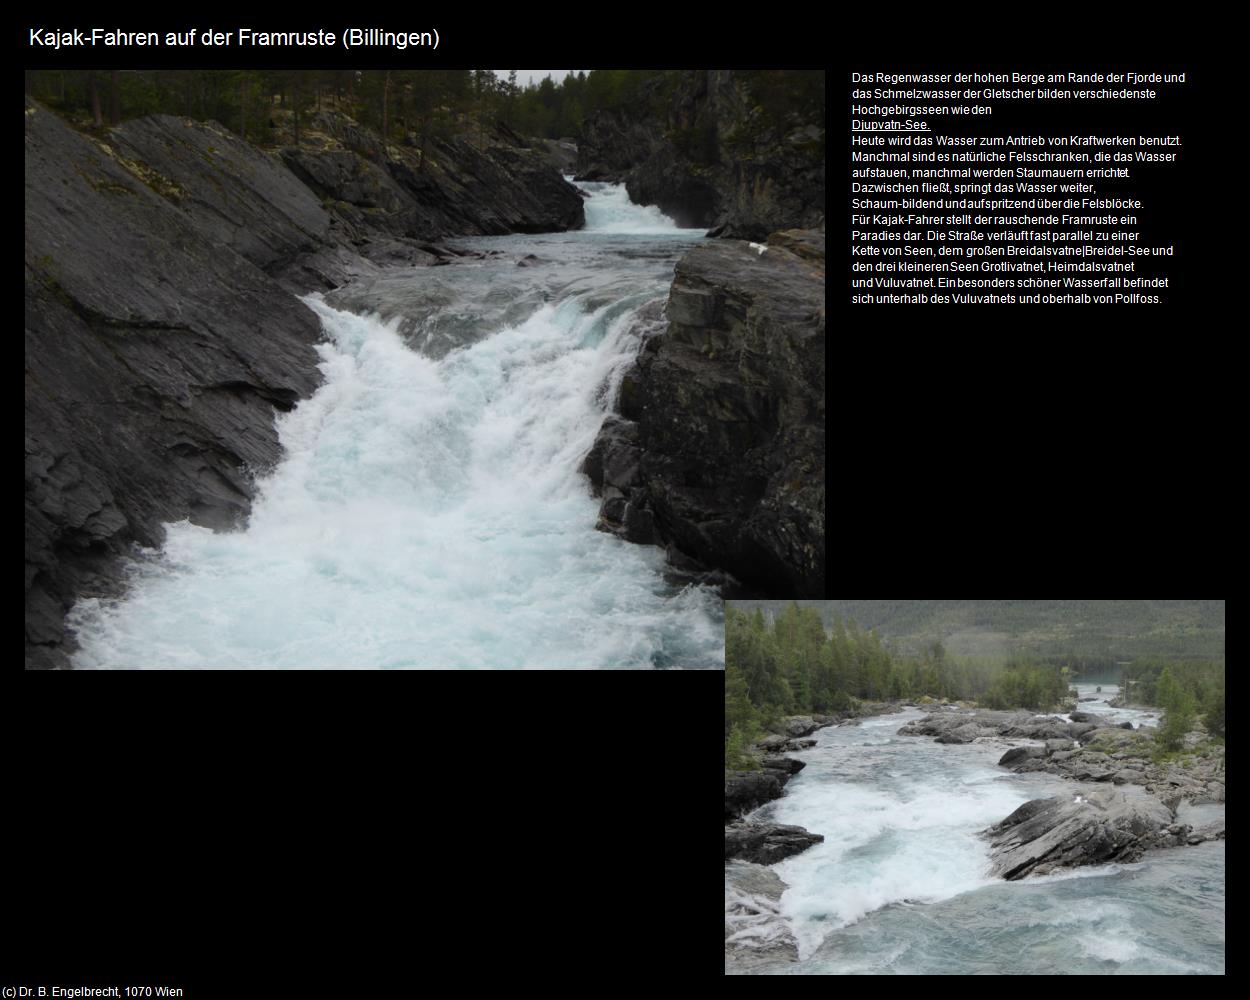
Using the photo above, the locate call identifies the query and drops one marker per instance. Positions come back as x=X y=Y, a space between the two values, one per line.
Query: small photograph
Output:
x=974 y=787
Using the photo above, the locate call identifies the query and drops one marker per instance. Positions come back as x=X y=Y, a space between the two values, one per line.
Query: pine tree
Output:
x=1178 y=710
x=739 y=712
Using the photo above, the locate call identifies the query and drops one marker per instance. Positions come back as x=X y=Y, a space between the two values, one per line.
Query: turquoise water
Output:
x=900 y=884
x=429 y=511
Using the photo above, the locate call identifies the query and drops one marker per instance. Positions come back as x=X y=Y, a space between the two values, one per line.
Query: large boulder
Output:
x=766 y=843
x=800 y=725
x=966 y=733
x=1088 y=827
x=1017 y=754
x=726 y=454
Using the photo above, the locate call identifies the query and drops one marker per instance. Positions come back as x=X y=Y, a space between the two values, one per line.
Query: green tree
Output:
x=1215 y=713
x=736 y=756
x=1178 y=710
x=739 y=712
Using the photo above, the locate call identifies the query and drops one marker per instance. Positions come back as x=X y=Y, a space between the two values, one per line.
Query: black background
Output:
x=241 y=833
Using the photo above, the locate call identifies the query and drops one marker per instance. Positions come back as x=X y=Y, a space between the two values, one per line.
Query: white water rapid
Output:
x=429 y=513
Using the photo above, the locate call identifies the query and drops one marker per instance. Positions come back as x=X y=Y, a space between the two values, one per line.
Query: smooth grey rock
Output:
x=1020 y=754
x=961 y=734
x=1211 y=831
x=800 y=725
x=1090 y=827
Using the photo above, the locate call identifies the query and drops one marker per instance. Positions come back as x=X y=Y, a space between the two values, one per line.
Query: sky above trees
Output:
x=527 y=76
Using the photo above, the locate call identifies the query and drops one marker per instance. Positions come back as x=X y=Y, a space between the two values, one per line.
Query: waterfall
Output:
x=430 y=513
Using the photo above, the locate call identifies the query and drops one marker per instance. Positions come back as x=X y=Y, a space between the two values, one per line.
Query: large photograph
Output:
x=435 y=369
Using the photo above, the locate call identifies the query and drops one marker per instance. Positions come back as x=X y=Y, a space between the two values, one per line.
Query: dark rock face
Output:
x=719 y=451
x=154 y=360
x=747 y=790
x=778 y=763
x=233 y=194
x=766 y=843
x=161 y=334
x=1090 y=827
x=488 y=185
x=560 y=153
x=699 y=146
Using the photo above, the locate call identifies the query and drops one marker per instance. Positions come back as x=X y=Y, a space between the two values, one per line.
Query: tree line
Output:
x=250 y=102
x=794 y=665
x=397 y=103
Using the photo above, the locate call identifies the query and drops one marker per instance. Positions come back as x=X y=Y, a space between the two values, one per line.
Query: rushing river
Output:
x=899 y=885
x=429 y=511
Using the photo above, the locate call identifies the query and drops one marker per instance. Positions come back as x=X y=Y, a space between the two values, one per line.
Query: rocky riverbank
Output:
x=718 y=453
x=160 y=329
x=748 y=790
x=756 y=934
x=1097 y=823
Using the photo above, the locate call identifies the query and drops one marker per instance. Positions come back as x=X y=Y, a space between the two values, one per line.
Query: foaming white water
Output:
x=426 y=514
x=897 y=829
x=900 y=884
x=609 y=210
x=882 y=846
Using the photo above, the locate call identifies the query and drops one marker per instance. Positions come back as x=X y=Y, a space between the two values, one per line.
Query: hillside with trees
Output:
x=1095 y=634
x=781 y=659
